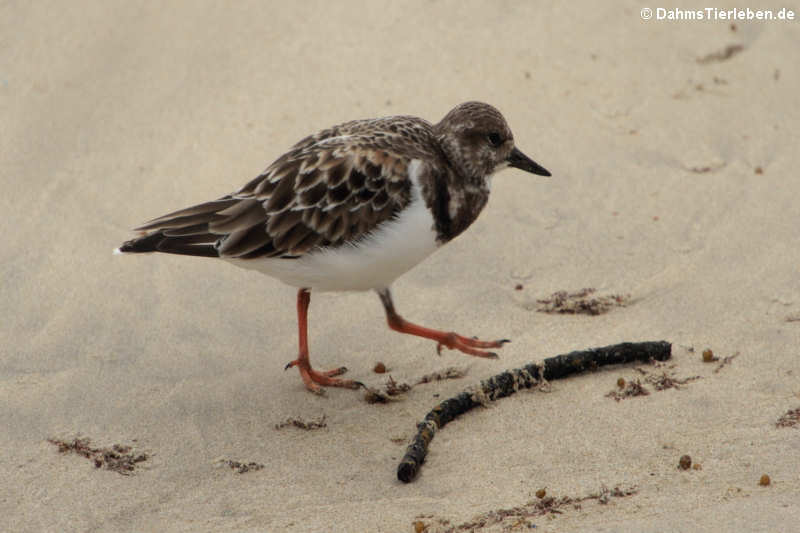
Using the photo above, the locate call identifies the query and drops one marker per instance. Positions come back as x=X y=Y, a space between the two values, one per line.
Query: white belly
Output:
x=374 y=262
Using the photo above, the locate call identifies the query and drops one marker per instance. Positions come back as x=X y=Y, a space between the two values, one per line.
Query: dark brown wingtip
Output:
x=158 y=242
x=142 y=245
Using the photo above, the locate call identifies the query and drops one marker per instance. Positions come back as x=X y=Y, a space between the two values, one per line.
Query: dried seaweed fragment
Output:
x=665 y=381
x=628 y=390
x=392 y=388
x=118 y=458
x=581 y=302
x=721 y=55
x=448 y=373
x=299 y=423
x=726 y=361
x=519 y=518
x=789 y=419
x=242 y=468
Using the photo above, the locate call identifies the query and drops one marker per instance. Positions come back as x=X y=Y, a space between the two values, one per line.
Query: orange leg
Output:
x=312 y=377
x=447 y=339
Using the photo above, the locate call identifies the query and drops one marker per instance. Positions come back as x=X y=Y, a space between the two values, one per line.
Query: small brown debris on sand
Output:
x=789 y=419
x=119 y=458
x=708 y=356
x=685 y=462
x=303 y=424
x=242 y=468
x=394 y=388
x=726 y=361
x=448 y=373
x=665 y=381
x=633 y=388
x=379 y=368
x=721 y=55
x=765 y=481
x=605 y=494
x=700 y=170
x=711 y=167
x=518 y=518
x=390 y=390
x=581 y=302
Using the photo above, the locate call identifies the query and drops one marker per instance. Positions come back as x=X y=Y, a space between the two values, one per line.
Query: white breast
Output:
x=374 y=262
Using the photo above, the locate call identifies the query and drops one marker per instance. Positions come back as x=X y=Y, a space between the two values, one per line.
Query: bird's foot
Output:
x=313 y=379
x=467 y=345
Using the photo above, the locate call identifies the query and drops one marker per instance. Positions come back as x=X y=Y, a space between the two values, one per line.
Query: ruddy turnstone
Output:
x=352 y=208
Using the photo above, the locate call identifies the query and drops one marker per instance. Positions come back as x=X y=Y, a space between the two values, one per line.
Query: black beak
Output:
x=521 y=161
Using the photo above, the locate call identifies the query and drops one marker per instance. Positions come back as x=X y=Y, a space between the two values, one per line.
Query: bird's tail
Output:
x=184 y=232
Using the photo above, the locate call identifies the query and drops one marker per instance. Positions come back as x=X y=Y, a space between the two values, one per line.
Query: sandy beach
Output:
x=673 y=146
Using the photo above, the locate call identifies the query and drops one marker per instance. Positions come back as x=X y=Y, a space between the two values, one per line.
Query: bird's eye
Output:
x=495 y=139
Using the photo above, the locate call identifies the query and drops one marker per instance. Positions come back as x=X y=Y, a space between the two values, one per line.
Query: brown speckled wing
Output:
x=329 y=189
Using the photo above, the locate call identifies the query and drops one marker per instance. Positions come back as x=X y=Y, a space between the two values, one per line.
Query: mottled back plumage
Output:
x=340 y=184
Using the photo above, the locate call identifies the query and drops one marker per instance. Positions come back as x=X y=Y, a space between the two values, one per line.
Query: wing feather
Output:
x=329 y=189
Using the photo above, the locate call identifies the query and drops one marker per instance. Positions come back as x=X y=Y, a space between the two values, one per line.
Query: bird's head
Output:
x=477 y=141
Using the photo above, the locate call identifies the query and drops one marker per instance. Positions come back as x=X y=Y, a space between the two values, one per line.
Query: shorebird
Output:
x=352 y=208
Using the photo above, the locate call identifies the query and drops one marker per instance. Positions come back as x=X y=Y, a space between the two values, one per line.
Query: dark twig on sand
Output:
x=509 y=382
